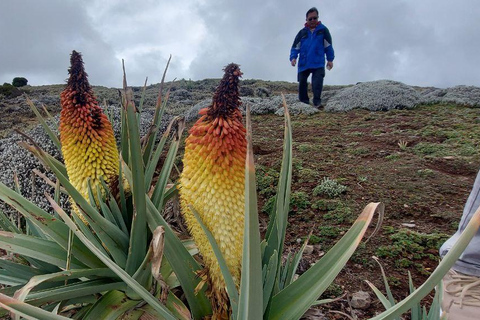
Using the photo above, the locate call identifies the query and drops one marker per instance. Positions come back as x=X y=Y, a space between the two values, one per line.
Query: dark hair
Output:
x=313 y=9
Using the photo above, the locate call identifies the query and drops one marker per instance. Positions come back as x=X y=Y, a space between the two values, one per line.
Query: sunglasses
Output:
x=312 y=18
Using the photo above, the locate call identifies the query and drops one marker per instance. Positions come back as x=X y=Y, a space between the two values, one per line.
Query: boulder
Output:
x=461 y=95
x=381 y=95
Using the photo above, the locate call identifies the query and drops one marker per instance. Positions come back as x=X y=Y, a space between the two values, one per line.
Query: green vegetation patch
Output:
x=430 y=149
x=341 y=214
x=267 y=179
x=307 y=175
x=299 y=201
x=410 y=248
x=9 y=90
x=305 y=147
x=330 y=188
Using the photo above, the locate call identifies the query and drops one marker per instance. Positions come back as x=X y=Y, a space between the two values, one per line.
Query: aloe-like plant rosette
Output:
x=113 y=268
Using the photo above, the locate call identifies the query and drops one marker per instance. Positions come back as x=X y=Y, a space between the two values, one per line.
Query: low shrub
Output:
x=19 y=82
x=329 y=187
x=9 y=90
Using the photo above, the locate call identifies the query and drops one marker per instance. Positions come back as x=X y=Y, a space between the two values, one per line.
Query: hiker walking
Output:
x=312 y=43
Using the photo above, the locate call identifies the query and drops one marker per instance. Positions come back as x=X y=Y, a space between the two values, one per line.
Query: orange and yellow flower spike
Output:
x=213 y=182
x=88 y=143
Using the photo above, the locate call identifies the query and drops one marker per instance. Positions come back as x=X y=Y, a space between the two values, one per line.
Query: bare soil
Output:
x=420 y=163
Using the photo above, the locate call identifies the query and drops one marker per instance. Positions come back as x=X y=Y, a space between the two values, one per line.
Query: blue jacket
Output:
x=312 y=47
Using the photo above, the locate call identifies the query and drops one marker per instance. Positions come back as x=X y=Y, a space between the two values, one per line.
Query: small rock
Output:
x=409 y=225
x=308 y=250
x=361 y=300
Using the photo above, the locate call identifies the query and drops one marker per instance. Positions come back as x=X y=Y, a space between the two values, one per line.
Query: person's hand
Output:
x=294 y=62
x=329 y=65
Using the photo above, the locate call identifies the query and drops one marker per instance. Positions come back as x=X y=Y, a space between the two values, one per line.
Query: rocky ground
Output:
x=415 y=149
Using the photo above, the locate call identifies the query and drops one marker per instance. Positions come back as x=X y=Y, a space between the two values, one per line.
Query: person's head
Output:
x=312 y=17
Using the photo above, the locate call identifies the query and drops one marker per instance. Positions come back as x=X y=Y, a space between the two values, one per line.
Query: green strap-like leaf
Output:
x=151 y=165
x=6 y=224
x=270 y=274
x=44 y=157
x=9 y=279
x=50 y=117
x=119 y=271
x=22 y=293
x=75 y=290
x=19 y=270
x=157 y=117
x=435 y=308
x=143 y=275
x=113 y=247
x=117 y=213
x=138 y=236
x=170 y=193
x=386 y=303
x=183 y=264
x=177 y=307
x=115 y=240
x=159 y=192
x=295 y=299
x=124 y=141
x=44 y=124
x=83 y=226
x=292 y=264
x=447 y=262
x=41 y=249
x=251 y=299
x=104 y=226
x=111 y=306
x=275 y=235
x=25 y=310
x=385 y=282
x=227 y=276
x=416 y=310
x=55 y=228
x=123 y=197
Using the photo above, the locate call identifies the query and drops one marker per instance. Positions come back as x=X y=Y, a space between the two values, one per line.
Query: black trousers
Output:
x=317 y=85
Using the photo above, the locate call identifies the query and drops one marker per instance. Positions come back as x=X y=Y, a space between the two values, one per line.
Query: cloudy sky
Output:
x=418 y=42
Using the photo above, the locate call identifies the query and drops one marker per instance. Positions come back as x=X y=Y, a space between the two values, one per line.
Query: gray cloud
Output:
x=37 y=38
x=425 y=43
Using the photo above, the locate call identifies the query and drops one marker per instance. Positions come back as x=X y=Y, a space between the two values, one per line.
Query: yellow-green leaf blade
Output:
x=295 y=299
x=251 y=298
x=25 y=310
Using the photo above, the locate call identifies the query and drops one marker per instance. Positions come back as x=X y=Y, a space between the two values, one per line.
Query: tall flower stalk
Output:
x=213 y=181
x=86 y=134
